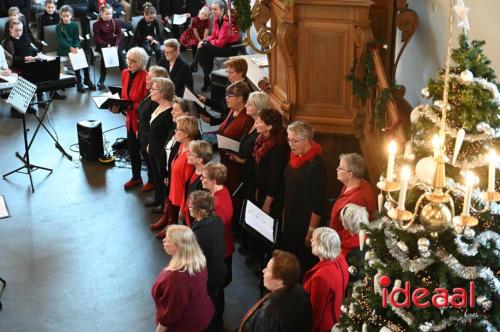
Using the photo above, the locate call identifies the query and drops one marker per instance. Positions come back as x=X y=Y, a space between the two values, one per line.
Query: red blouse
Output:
x=362 y=195
x=182 y=301
x=224 y=210
x=181 y=171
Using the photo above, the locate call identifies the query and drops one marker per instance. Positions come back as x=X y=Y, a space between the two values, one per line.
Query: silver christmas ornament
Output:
x=344 y=309
x=372 y=262
x=424 y=242
x=403 y=246
x=352 y=270
x=466 y=76
x=469 y=233
x=426 y=327
x=480 y=299
x=425 y=92
x=486 y=305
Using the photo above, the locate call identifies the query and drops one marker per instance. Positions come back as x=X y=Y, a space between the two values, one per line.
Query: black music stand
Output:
x=20 y=98
x=4 y=284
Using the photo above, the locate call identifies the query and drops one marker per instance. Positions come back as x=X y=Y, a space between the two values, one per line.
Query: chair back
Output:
x=49 y=32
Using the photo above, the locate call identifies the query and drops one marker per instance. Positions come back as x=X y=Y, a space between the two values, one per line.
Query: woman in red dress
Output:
x=197 y=31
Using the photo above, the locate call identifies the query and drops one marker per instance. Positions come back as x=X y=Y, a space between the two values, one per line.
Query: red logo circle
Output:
x=384 y=281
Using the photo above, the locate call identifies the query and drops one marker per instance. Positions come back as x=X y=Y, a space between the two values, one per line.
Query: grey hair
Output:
x=140 y=54
x=260 y=100
x=352 y=216
x=355 y=163
x=327 y=243
x=172 y=42
x=165 y=87
x=158 y=71
x=302 y=129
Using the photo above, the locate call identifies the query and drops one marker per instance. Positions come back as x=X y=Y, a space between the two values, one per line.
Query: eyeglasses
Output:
x=229 y=95
x=169 y=52
x=131 y=60
x=343 y=169
x=230 y=71
x=294 y=141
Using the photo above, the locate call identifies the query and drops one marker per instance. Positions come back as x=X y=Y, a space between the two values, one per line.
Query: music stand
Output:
x=4 y=284
x=20 y=98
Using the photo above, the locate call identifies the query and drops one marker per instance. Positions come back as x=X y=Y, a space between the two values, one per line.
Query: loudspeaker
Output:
x=219 y=85
x=90 y=139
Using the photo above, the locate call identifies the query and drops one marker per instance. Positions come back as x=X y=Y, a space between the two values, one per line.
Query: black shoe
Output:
x=157 y=209
x=205 y=88
x=101 y=85
x=80 y=88
x=89 y=84
x=59 y=95
x=151 y=203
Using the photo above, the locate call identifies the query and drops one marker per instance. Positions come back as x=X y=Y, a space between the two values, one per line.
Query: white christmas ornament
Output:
x=466 y=76
x=425 y=92
x=425 y=169
x=458 y=144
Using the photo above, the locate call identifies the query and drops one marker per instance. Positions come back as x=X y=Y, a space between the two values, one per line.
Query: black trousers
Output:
x=217 y=322
x=103 y=70
x=86 y=75
x=206 y=54
x=145 y=157
x=159 y=172
x=134 y=151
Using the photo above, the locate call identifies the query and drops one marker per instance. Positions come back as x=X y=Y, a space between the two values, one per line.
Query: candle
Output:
x=380 y=202
x=491 y=170
x=390 y=160
x=405 y=177
x=470 y=180
x=436 y=144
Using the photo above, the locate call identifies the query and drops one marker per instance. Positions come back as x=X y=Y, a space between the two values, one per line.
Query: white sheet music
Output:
x=78 y=60
x=99 y=100
x=259 y=221
x=21 y=95
x=188 y=95
x=180 y=19
x=227 y=143
x=3 y=61
x=4 y=212
x=110 y=56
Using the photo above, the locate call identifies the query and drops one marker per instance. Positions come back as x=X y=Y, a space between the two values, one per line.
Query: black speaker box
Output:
x=90 y=139
x=219 y=85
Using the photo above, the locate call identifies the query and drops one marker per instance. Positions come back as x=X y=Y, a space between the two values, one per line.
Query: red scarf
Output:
x=297 y=161
x=263 y=144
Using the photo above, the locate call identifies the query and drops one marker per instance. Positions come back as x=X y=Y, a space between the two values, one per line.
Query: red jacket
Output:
x=223 y=35
x=180 y=173
x=182 y=301
x=362 y=195
x=224 y=210
x=137 y=93
x=326 y=283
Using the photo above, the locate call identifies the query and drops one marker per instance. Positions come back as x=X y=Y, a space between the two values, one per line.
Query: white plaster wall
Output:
x=426 y=51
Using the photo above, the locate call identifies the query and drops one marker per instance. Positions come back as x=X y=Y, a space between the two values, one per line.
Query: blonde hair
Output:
x=189 y=125
x=352 y=216
x=201 y=149
x=216 y=171
x=327 y=244
x=13 y=11
x=188 y=256
x=260 y=100
x=158 y=71
x=165 y=87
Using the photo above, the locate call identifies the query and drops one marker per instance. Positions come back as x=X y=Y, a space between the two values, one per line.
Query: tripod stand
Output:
x=4 y=284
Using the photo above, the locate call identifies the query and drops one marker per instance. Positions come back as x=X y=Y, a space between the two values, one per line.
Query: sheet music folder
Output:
x=108 y=101
x=258 y=223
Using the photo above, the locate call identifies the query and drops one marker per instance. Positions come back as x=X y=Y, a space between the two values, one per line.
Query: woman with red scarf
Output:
x=304 y=193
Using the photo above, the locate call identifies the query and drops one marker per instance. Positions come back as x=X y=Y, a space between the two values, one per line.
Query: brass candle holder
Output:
x=465 y=220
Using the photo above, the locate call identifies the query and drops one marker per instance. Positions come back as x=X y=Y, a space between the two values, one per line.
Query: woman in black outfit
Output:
x=162 y=92
x=146 y=108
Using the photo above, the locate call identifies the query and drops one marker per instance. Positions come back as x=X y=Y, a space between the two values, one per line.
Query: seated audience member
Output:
x=195 y=33
x=161 y=123
x=18 y=45
x=68 y=39
x=145 y=109
x=94 y=7
x=180 y=290
x=219 y=43
x=304 y=200
x=16 y=15
x=186 y=130
x=177 y=68
x=327 y=281
x=181 y=107
x=352 y=217
x=209 y=232
x=355 y=190
x=286 y=307
x=214 y=176
x=236 y=70
x=134 y=89
x=24 y=7
x=49 y=17
x=139 y=5
x=148 y=33
x=169 y=8
x=199 y=153
x=107 y=32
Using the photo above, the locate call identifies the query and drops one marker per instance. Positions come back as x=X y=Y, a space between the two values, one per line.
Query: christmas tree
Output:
x=438 y=239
